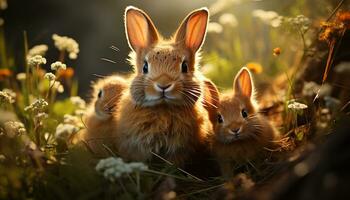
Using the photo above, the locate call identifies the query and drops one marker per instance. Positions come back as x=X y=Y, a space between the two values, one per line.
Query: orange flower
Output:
x=5 y=73
x=276 y=51
x=335 y=29
x=330 y=31
x=344 y=17
x=254 y=67
x=66 y=74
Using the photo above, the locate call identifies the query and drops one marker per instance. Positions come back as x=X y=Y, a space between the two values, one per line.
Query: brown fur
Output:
x=175 y=123
x=255 y=132
x=99 y=121
x=211 y=102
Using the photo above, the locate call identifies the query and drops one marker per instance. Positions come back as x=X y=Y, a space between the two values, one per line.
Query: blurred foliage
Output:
x=41 y=114
x=242 y=32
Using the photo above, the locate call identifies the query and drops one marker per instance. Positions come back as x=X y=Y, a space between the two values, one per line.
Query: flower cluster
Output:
x=78 y=102
x=40 y=117
x=221 y=5
x=14 y=128
x=50 y=76
x=7 y=96
x=71 y=125
x=214 y=27
x=37 y=106
x=268 y=17
x=113 y=168
x=64 y=43
x=294 y=105
x=64 y=130
x=36 y=61
x=300 y=22
x=57 y=86
x=74 y=120
x=58 y=65
x=21 y=76
x=228 y=19
x=37 y=50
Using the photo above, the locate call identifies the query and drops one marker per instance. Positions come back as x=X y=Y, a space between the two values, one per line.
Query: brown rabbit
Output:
x=166 y=109
x=99 y=119
x=241 y=133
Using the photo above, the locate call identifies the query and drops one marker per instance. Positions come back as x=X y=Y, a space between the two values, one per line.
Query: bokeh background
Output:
x=238 y=35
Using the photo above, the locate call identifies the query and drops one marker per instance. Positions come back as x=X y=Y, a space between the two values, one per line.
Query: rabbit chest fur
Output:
x=171 y=131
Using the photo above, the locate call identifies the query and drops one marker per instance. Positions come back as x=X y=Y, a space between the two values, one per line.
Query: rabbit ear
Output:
x=243 y=83
x=139 y=28
x=193 y=29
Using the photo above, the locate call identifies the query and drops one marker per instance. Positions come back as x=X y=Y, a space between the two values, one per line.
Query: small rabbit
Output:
x=99 y=119
x=165 y=111
x=241 y=133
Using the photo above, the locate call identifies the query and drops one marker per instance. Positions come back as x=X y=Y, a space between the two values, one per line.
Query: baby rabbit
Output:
x=165 y=111
x=241 y=133
x=99 y=119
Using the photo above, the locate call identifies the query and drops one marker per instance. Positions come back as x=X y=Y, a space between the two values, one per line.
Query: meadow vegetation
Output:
x=40 y=112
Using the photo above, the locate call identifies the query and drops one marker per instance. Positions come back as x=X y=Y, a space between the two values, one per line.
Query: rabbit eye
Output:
x=220 y=119
x=244 y=113
x=184 y=67
x=99 y=95
x=145 y=67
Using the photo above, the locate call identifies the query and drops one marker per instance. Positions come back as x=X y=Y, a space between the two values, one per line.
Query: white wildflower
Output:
x=310 y=88
x=21 y=76
x=50 y=76
x=294 y=105
x=220 y=5
x=300 y=22
x=78 y=102
x=268 y=17
x=113 y=168
x=79 y=112
x=5 y=97
x=65 y=130
x=37 y=106
x=228 y=19
x=36 y=61
x=13 y=128
x=56 y=85
x=3 y=4
x=214 y=27
x=10 y=92
x=64 y=43
x=38 y=50
x=58 y=65
x=71 y=119
x=41 y=116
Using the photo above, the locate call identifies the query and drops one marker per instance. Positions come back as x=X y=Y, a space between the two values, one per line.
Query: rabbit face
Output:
x=236 y=120
x=238 y=117
x=165 y=75
x=107 y=93
x=165 y=69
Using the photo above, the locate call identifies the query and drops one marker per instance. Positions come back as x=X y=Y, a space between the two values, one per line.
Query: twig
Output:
x=202 y=190
x=108 y=60
x=109 y=150
x=183 y=171
x=114 y=48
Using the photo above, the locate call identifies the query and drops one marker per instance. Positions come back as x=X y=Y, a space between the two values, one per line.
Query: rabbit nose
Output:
x=163 y=88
